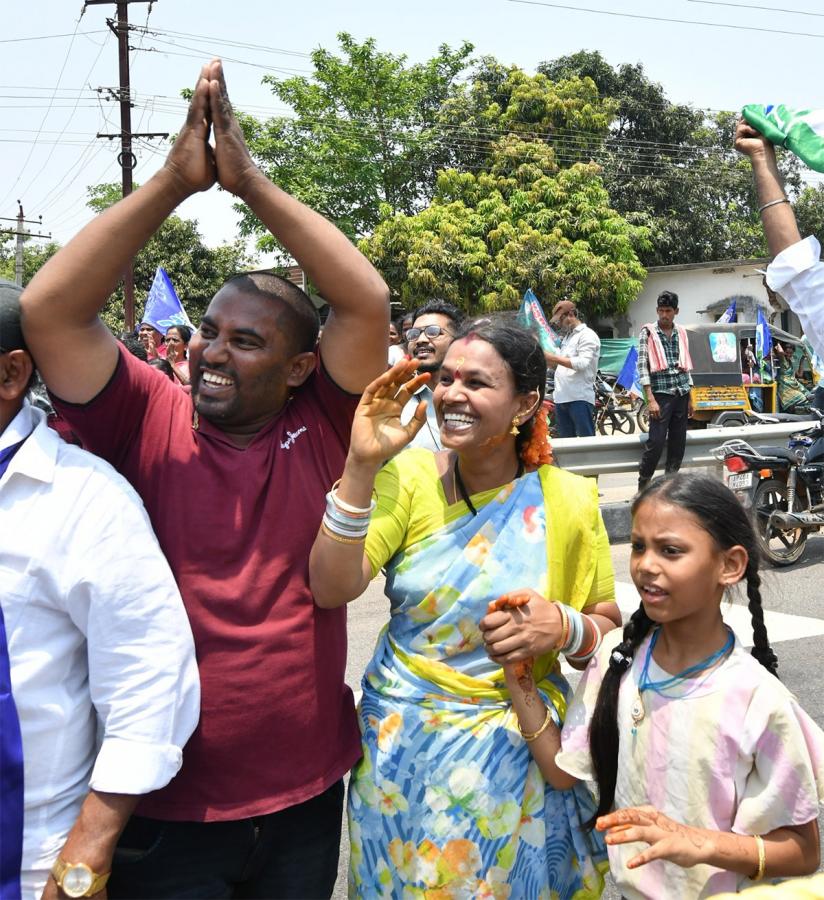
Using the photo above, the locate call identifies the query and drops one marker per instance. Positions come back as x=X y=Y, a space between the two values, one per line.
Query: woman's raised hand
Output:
x=377 y=433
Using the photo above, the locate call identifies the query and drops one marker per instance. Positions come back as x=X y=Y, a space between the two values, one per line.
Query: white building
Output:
x=704 y=291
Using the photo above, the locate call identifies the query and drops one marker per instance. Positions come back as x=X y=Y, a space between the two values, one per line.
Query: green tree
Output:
x=196 y=271
x=672 y=167
x=363 y=134
x=34 y=256
x=566 y=113
x=523 y=222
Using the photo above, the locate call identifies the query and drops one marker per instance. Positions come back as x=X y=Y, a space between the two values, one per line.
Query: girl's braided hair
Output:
x=721 y=515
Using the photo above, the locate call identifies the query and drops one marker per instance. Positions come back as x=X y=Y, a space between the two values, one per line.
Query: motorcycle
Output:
x=611 y=416
x=784 y=487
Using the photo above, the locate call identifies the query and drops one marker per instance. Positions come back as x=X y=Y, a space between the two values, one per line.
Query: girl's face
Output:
x=676 y=566
x=475 y=397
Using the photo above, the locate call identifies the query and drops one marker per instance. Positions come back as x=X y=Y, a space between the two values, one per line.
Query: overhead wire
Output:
x=68 y=120
x=45 y=116
x=626 y=15
x=792 y=12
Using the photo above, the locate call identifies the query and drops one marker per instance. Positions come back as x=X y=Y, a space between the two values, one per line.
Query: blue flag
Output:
x=763 y=338
x=163 y=307
x=729 y=315
x=628 y=376
x=531 y=316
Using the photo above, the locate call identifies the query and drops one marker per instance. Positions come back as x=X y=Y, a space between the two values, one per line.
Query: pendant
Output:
x=637 y=710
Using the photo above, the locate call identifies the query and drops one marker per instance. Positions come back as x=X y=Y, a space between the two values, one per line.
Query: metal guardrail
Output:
x=608 y=455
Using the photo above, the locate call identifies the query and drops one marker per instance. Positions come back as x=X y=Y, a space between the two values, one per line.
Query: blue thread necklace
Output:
x=637 y=711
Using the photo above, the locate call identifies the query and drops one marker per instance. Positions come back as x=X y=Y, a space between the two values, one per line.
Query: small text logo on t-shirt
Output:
x=291 y=437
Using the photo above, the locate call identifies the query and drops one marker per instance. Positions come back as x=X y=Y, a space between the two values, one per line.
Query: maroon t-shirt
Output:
x=277 y=723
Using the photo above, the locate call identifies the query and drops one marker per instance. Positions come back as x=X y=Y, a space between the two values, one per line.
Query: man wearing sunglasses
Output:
x=432 y=331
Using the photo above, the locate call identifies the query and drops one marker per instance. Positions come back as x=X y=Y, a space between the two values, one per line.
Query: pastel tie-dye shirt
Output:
x=736 y=753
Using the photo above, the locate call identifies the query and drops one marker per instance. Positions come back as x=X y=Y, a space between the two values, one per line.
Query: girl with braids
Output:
x=710 y=775
x=448 y=800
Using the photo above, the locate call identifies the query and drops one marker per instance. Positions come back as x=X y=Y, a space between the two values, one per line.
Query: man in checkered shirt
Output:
x=667 y=392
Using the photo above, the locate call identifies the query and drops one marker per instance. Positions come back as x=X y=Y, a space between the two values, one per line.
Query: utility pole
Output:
x=21 y=235
x=126 y=157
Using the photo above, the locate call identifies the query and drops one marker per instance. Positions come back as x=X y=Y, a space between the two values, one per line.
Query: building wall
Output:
x=698 y=289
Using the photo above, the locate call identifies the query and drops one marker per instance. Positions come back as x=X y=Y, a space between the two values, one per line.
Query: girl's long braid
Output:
x=761 y=650
x=603 y=730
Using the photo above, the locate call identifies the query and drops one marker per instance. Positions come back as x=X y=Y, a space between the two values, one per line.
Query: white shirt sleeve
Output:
x=797 y=273
x=587 y=349
x=143 y=677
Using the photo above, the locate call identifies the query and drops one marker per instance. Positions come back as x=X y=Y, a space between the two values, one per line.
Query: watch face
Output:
x=77 y=880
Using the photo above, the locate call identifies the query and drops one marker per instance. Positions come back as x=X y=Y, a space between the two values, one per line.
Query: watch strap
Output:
x=58 y=871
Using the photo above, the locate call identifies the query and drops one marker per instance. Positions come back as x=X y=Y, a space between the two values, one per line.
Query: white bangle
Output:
x=772 y=203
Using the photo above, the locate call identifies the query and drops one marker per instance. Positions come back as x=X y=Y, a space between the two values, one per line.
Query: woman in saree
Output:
x=447 y=800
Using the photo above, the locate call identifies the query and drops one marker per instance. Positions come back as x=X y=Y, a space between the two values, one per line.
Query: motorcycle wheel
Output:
x=782 y=548
x=615 y=421
x=642 y=416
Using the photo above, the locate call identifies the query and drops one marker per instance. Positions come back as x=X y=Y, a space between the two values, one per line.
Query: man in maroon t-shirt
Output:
x=234 y=478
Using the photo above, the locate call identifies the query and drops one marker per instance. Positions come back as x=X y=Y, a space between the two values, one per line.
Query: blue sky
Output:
x=47 y=136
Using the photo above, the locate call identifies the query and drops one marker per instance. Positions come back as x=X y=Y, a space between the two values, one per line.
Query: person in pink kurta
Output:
x=710 y=778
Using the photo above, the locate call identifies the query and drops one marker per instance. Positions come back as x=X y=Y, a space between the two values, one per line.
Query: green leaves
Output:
x=488 y=236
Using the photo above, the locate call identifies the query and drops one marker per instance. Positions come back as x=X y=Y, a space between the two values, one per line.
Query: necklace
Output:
x=637 y=711
x=459 y=489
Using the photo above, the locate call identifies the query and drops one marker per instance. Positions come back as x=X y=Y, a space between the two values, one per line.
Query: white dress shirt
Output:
x=102 y=659
x=582 y=347
x=797 y=273
x=429 y=437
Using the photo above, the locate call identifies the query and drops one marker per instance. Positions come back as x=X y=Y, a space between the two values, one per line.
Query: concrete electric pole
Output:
x=21 y=234
x=126 y=157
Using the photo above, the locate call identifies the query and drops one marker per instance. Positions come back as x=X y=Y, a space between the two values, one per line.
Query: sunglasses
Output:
x=431 y=331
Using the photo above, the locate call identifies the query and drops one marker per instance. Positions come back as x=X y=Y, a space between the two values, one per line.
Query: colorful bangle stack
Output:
x=574 y=642
x=585 y=654
x=343 y=522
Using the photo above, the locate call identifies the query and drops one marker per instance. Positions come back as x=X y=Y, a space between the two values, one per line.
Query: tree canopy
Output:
x=363 y=133
x=673 y=168
x=522 y=222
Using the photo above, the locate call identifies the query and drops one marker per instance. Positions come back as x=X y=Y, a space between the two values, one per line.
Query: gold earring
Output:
x=515 y=430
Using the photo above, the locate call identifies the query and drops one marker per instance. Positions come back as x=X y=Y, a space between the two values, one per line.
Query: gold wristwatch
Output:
x=77 y=879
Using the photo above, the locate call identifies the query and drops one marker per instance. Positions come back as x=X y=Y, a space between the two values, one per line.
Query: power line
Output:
x=623 y=15
x=45 y=115
x=244 y=45
x=792 y=12
x=47 y=37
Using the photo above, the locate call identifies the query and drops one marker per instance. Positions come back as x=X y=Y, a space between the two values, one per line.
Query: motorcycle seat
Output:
x=779 y=453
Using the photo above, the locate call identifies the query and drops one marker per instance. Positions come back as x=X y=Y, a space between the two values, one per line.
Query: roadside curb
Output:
x=617 y=520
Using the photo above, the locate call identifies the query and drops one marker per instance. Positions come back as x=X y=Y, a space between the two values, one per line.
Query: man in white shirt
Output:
x=101 y=656
x=796 y=272
x=575 y=368
x=433 y=330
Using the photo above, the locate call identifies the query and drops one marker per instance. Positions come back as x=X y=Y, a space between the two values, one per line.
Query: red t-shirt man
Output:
x=277 y=723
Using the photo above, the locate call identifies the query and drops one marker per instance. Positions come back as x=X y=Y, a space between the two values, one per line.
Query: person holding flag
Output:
x=796 y=271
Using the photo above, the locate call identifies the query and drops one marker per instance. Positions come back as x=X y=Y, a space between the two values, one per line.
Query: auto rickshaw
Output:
x=727 y=386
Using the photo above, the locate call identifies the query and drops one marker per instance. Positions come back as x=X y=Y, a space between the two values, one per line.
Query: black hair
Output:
x=667 y=298
x=303 y=320
x=720 y=514
x=164 y=366
x=439 y=307
x=519 y=349
x=134 y=346
x=183 y=330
